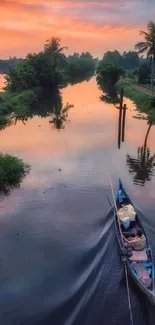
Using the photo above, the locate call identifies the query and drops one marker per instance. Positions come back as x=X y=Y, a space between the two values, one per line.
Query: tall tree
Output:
x=114 y=58
x=143 y=73
x=107 y=74
x=130 y=60
x=54 y=50
x=148 y=46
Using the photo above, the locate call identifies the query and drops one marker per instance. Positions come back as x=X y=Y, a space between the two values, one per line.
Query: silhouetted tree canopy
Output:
x=128 y=60
x=114 y=58
x=80 y=67
x=144 y=73
x=44 y=71
x=107 y=74
x=50 y=68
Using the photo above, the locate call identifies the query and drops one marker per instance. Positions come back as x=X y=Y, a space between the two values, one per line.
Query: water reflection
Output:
x=46 y=105
x=143 y=165
x=110 y=95
x=62 y=218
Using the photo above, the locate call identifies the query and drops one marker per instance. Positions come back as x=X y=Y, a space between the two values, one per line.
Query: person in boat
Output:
x=138 y=243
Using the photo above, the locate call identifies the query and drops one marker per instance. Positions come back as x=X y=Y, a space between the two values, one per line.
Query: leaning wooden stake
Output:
x=120 y=118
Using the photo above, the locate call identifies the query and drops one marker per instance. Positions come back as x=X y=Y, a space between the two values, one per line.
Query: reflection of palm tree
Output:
x=59 y=116
x=48 y=104
x=143 y=165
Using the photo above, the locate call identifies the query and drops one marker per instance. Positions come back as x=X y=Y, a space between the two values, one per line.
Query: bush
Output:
x=12 y=172
x=132 y=74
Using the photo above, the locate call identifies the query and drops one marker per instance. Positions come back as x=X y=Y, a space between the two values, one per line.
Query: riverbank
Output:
x=143 y=88
x=140 y=96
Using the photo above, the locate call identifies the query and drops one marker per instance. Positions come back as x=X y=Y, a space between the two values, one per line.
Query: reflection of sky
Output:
x=83 y=25
x=57 y=213
x=84 y=150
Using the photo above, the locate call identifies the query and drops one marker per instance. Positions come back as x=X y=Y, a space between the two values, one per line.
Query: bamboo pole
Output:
x=120 y=118
x=123 y=122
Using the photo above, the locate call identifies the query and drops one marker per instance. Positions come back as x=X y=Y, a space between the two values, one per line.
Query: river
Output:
x=58 y=249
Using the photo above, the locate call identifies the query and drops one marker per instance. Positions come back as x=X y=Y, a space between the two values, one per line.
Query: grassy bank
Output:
x=142 y=101
x=12 y=172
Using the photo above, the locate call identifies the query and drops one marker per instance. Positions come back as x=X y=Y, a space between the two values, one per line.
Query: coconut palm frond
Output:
x=141 y=47
x=62 y=49
x=142 y=32
x=151 y=27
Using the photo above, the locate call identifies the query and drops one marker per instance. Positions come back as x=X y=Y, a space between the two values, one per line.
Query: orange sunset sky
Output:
x=83 y=25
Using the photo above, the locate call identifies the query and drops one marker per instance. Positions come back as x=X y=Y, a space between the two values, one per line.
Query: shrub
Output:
x=12 y=172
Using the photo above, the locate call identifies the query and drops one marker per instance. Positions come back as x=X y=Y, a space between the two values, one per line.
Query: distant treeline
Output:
x=11 y=63
x=127 y=61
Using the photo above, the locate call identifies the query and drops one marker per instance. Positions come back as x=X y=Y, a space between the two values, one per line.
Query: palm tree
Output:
x=142 y=166
x=54 y=51
x=148 y=47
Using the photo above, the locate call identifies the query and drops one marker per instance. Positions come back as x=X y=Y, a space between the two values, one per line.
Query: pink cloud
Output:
x=82 y=25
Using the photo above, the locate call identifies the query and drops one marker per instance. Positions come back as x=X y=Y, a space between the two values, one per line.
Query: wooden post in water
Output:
x=123 y=122
x=120 y=119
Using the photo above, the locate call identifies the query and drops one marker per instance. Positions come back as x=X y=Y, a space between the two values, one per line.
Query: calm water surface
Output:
x=58 y=249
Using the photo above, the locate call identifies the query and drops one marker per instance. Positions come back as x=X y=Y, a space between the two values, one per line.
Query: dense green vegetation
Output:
x=136 y=70
x=140 y=69
x=148 y=47
x=80 y=67
x=107 y=74
x=128 y=60
x=144 y=73
x=50 y=68
x=142 y=100
x=12 y=171
x=47 y=70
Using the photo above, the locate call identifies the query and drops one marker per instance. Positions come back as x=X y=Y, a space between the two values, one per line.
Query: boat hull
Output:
x=149 y=294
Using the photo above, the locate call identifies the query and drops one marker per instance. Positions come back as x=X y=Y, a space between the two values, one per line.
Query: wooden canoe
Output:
x=139 y=263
